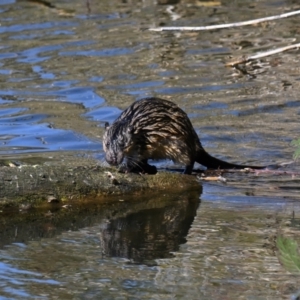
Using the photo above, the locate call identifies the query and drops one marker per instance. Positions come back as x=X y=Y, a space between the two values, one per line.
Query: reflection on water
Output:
x=165 y=246
x=147 y=230
x=149 y=234
x=137 y=231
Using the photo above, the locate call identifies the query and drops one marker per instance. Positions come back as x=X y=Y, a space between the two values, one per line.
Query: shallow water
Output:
x=66 y=70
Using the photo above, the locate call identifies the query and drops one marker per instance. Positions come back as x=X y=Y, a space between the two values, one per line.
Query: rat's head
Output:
x=117 y=140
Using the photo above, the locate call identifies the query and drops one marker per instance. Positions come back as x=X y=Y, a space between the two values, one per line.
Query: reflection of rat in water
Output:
x=152 y=230
x=154 y=128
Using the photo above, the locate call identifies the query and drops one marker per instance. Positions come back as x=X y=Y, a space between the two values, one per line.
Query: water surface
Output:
x=67 y=69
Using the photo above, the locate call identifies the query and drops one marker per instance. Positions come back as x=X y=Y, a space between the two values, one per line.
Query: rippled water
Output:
x=65 y=70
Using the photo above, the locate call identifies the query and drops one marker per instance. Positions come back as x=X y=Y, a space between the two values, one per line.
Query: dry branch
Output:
x=260 y=55
x=221 y=26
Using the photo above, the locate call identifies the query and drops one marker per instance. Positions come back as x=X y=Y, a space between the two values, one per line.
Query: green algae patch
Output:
x=165 y=180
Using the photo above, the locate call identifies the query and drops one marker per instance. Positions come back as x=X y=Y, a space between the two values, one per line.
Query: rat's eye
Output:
x=107 y=144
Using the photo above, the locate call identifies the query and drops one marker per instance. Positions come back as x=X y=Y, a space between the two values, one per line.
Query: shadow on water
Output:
x=140 y=230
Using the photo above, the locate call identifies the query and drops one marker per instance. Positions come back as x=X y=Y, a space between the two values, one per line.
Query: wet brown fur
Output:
x=154 y=128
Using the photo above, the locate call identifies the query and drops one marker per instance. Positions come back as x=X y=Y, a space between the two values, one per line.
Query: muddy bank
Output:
x=78 y=179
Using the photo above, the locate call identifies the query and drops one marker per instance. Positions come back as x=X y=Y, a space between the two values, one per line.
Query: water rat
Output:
x=153 y=128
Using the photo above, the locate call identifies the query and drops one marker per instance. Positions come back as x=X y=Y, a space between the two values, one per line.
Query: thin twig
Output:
x=261 y=54
x=220 y=26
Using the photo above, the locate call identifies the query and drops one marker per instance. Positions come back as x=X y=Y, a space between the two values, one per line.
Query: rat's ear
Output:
x=106 y=125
